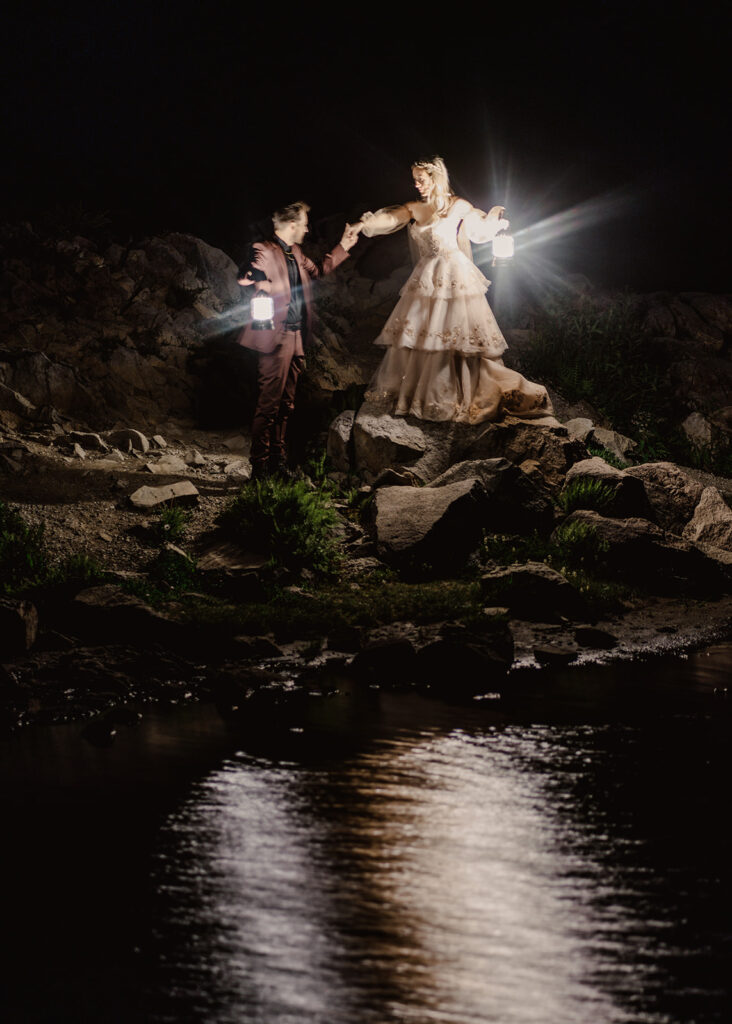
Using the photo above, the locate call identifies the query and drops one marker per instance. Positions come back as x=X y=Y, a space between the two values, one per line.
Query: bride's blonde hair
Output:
x=441 y=192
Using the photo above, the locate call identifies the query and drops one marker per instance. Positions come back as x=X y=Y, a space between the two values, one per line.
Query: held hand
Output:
x=350 y=235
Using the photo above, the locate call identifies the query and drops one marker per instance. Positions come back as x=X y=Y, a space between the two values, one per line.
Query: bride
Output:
x=443 y=345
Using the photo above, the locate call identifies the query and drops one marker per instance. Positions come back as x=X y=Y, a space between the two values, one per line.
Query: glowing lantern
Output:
x=262 y=313
x=503 y=246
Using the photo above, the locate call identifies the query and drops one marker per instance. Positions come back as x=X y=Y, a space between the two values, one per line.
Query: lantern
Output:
x=262 y=313
x=502 y=246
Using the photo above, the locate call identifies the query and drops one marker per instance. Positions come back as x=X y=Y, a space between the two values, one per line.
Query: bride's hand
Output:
x=496 y=212
x=503 y=224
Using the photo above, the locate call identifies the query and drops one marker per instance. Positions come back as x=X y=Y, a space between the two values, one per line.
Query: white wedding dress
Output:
x=443 y=345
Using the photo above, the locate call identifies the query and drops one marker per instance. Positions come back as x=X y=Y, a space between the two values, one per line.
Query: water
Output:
x=395 y=859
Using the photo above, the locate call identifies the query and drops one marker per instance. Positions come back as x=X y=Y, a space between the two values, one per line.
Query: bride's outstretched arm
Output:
x=385 y=221
x=483 y=227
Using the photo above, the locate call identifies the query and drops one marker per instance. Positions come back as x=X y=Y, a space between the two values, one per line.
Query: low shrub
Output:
x=22 y=552
x=288 y=522
x=586 y=493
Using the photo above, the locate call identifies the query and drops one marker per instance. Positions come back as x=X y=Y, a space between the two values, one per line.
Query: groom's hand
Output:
x=350 y=235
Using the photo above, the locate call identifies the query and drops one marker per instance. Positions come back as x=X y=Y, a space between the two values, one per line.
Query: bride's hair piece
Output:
x=441 y=191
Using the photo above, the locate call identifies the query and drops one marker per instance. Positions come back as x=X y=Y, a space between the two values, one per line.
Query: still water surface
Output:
x=394 y=859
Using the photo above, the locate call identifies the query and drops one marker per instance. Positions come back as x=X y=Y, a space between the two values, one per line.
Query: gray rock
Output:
x=579 y=429
x=128 y=440
x=240 y=469
x=339 y=441
x=90 y=442
x=533 y=591
x=712 y=521
x=159 y=441
x=18 y=626
x=698 y=429
x=437 y=526
x=181 y=493
x=382 y=441
x=672 y=493
x=194 y=459
x=167 y=465
x=617 y=444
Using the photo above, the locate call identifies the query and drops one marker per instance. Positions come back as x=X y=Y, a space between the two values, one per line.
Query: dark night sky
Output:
x=204 y=118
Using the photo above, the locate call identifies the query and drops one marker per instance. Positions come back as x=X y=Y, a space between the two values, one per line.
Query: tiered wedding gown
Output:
x=443 y=358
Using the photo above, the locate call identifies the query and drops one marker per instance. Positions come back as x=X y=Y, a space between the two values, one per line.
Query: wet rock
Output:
x=628 y=494
x=18 y=626
x=461 y=667
x=598 y=639
x=390 y=662
x=438 y=526
x=533 y=591
x=339 y=444
x=672 y=493
x=712 y=521
x=181 y=493
x=106 y=612
x=554 y=655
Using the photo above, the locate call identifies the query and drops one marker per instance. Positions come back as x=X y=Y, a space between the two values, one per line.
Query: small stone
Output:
x=194 y=459
x=238 y=443
x=79 y=452
x=241 y=468
x=181 y=493
x=159 y=441
x=91 y=442
x=105 y=536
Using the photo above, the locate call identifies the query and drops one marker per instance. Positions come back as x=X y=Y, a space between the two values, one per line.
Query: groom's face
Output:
x=301 y=228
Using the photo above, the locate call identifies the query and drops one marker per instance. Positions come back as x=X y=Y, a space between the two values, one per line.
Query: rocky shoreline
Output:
x=484 y=550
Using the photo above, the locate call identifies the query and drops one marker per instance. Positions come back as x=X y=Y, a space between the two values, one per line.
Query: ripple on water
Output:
x=512 y=874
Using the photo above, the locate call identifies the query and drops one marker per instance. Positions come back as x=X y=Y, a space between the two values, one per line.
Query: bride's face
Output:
x=422 y=181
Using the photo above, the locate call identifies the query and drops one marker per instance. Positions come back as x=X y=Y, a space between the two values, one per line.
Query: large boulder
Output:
x=436 y=526
x=673 y=494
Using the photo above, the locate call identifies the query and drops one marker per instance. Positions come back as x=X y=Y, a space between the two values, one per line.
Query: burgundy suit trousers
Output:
x=278 y=373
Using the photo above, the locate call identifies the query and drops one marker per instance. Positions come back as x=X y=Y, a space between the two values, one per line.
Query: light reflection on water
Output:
x=473 y=874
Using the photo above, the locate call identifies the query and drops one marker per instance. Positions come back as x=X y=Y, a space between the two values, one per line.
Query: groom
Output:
x=279 y=268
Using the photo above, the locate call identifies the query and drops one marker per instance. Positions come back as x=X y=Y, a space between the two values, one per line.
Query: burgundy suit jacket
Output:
x=271 y=260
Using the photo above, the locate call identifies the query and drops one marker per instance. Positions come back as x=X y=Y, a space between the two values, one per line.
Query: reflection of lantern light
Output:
x=262 y=313
x=502 y=246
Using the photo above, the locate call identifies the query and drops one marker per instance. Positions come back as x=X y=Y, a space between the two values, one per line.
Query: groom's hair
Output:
x=289 y=213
